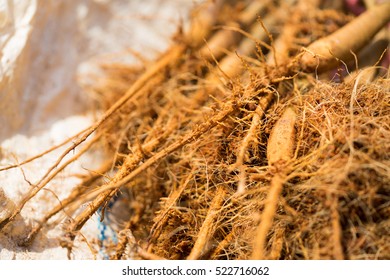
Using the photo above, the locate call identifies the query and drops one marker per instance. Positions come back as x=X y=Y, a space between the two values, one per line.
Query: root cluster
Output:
x=230 y=148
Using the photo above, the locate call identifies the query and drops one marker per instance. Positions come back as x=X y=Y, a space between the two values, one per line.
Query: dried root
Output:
x=244 y=149
x=280 y=149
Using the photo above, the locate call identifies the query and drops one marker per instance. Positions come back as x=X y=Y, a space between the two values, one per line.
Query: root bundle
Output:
x=251 y=139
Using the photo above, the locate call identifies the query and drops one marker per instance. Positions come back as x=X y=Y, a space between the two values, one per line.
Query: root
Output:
x=280 y=150
x=43 y=153
x=72 y=198
x=207 y=163
x=43 y=183
x=126 y=238
x=267 y=217
x=162 y=217
x=257 y=116
x=131 y=162
x=337 y=231
x=208 y=226
x=224 y=244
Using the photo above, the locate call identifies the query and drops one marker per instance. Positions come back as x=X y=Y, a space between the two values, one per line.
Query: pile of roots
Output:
x=243 y=141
